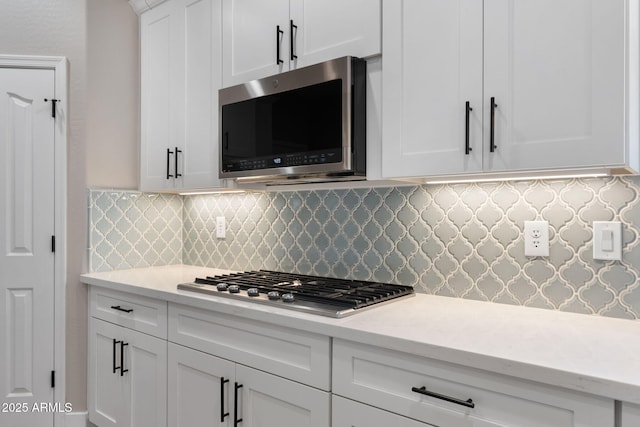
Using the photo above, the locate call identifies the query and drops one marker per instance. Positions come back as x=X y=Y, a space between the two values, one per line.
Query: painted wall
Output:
x=99 y=38
x=463 y=241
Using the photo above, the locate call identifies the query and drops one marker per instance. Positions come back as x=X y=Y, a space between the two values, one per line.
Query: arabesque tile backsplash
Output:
x=462 y=240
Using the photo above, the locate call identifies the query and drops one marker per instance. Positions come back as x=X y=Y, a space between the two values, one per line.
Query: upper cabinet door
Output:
x=432 y=67
x=329 y=29
x=556 y=69
x=198 y=162
x=180 y=78
x=252 y=40
x=161 y=98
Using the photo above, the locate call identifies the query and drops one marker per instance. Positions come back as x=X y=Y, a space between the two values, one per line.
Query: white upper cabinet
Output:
x=545 y=81
x=328 y=29
x=180 y=78
x=556 y=69
x=432 y=66
x=161 y=37
x=264 y=38
x=255 y=34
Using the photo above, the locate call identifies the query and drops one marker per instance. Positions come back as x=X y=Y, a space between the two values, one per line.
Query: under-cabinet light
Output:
x=513 y=178
x=221 y=191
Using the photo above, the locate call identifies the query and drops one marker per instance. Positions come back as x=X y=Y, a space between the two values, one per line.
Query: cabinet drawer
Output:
x=385 y=379
x=143 y=314
x=289 y=353
x=347 y=413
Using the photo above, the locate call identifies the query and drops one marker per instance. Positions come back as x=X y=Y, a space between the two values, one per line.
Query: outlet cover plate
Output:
x=536 y=238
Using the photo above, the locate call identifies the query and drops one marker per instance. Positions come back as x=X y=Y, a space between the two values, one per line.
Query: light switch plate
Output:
x=607 y=240
x=536 y=238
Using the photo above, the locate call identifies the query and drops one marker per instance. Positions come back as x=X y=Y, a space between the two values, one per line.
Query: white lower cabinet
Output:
x=265 y=400
x=205 y=368
x=630 y=415
x=127 y=377
x=209 y=385
x=208 y=390
x=446 y=395
x=199 y=387
x=347 y=413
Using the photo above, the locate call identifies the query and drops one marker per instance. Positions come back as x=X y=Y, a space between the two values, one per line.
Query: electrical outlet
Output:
x=220 y=227
x=536 y=238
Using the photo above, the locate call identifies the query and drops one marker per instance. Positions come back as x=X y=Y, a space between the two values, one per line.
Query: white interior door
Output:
x=26 y=257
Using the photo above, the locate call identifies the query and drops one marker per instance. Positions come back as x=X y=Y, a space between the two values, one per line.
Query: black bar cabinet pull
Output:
x=122 y=370
x=278 y=32
x=291 y=28
x=126 y=310
x=115 y=368
x=492 y=140
x=176 y=163
x=169 y=153
x=223 y=414
x=423 y=390
x=236 y=420
x=467 y=147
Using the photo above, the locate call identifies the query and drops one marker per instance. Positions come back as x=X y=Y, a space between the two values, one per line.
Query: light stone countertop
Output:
x=593 y=354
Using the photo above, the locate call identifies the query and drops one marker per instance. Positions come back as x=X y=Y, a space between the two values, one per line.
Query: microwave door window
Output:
x=308 y=120
x=239 y=133
x=287 y=126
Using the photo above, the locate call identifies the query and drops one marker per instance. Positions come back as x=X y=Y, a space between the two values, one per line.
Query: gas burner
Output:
x=319 y=295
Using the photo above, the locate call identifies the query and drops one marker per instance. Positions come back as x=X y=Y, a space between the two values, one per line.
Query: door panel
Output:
x=556 y=70
x=26 y=225
x=145 y=362
x=198 y=162
x=266 y=400
x=194 y=388
x=249 y=34
x=329 y=29
x=432 y=66
x=109 y=392
x=161 y=98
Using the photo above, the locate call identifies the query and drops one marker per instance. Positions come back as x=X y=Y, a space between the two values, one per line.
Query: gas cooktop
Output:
x=319 y=295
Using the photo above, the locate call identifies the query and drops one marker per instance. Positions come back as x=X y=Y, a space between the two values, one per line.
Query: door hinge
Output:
x=53 y=106
x=53 y=243
x=53 y=379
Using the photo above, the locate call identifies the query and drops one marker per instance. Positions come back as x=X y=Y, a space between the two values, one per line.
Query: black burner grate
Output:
x=329 y=291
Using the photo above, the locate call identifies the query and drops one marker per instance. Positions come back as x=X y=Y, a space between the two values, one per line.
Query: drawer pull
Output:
x=126 y=310
x=423 y=390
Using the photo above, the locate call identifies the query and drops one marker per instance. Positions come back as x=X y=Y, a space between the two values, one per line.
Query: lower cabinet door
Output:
x=127 y=377
x=265 y=400
x=108 y=393
x=630 y=416
x=347 y=413
x=200 y=388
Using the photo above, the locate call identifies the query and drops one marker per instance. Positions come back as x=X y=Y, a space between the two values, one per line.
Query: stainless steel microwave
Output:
x=305 y=125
